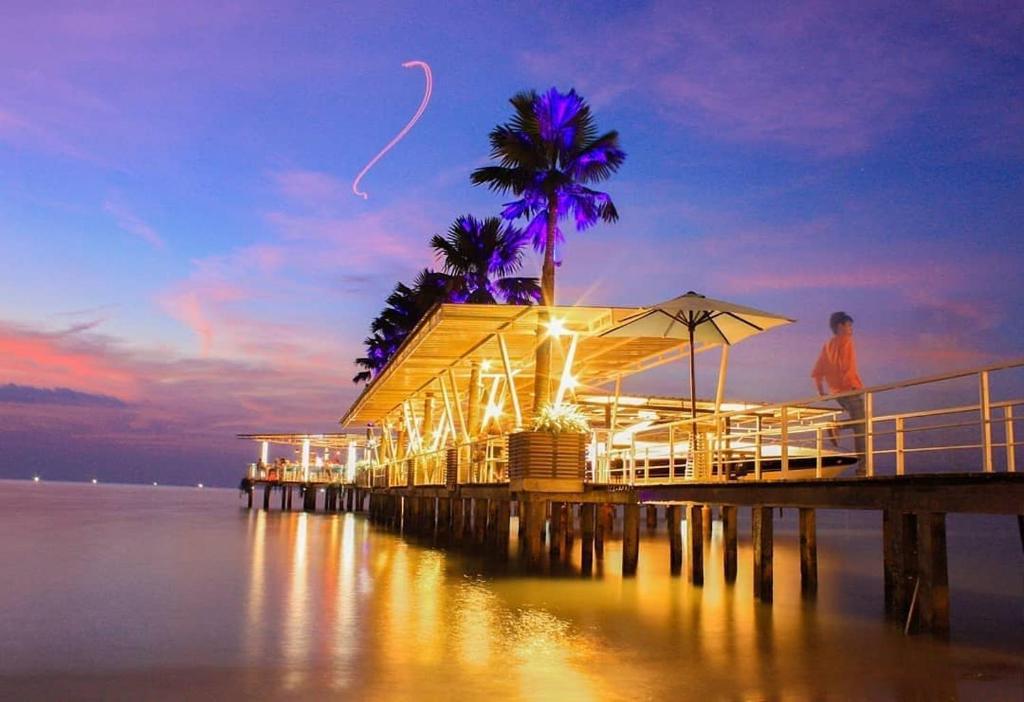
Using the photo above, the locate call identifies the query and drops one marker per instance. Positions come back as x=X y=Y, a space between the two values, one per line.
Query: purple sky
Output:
x=178 y=231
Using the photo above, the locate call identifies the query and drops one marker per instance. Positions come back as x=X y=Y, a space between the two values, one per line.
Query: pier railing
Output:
x=964 y=421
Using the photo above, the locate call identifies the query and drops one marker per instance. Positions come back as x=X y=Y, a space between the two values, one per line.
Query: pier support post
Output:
x=458 y=515
x=266 y=497
x=729 y=537
x=601 y=529
x=479 y=521
x=762 y=537
x=535 y=516
x=695 y=544
x=808 y=553
x=406 y=514
x=674 y=523
x=429 y=515
x=652 y=517
x=569 y=530
x=556 y=529
x=444 y=517
x=284 y=496
x=248 y=495
x=587 y=512
x=502 y=526
x=706 y=520
x=630 y=538
x=933 y=594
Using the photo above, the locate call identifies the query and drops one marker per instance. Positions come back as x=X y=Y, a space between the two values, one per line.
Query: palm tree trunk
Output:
x=542 y=366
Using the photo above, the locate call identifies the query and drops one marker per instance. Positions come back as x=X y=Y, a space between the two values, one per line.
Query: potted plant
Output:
x=551 y=455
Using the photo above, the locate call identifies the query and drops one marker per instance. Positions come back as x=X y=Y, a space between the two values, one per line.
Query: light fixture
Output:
x=485 y=366
x=556 y=327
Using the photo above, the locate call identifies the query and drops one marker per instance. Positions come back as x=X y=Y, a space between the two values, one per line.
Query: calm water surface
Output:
x=116 y=592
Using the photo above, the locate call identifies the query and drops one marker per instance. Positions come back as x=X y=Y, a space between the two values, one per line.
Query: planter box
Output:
x=539 y=461
x=452 y=468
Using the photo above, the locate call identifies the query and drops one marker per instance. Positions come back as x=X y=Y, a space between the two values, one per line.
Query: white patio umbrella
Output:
x=700 y=320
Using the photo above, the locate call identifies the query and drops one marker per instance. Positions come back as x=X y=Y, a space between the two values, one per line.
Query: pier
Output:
x=445 y=454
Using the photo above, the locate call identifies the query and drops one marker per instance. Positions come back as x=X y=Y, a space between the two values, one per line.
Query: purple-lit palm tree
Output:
x=548 y=154
x=480 y=258
x=406 y=306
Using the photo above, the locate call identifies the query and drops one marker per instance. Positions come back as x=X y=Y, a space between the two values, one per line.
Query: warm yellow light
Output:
x=556 y=327
x=485 y=366
x=492 y=411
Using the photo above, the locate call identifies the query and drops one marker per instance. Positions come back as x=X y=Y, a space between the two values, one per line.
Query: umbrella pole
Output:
x=693 y=379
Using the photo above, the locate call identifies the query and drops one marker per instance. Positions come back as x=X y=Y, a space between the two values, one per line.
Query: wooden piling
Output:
x=556 y=529
x=429 y=515
x=458 y=515
x=729 y=537
x=588 y=513
x=266 y=497
x=808 y=553
x=762 y=538
x=479 y=521
x=933 y=593
x=248 y=493
x=284 y=491
x=630 y=538
x=706 y=520
x=652 y=517
x=601 y=530
x=535 y=518
x=695 y=544
x=502 y=525
x=444 y=517
x=674 y=524
x=568 y=530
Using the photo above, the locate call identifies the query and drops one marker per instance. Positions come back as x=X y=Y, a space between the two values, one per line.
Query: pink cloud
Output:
x=311 y=188
x=132 y=223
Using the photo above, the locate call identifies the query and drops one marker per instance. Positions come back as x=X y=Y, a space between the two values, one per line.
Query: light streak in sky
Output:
x=405 y=130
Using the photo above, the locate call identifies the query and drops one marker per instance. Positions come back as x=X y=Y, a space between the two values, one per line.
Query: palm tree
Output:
x=480 y=256
x=548 y=153
x=406 y=306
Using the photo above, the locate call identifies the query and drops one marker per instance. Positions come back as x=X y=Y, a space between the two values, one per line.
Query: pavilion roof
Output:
x=327 y=441
x=452 y=336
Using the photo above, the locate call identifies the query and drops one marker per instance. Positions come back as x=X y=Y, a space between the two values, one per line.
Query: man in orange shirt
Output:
x=837 y=367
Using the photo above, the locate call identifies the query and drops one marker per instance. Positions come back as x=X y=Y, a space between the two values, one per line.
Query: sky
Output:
x=183 y=258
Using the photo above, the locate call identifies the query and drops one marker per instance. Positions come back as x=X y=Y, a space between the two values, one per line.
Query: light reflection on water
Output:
x=133 y=593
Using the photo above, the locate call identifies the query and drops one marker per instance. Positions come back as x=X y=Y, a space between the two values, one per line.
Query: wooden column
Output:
x=535 y=517
x=467 y=519
x=695 y=544
x=707 y=519
x=630 y=538
x=430 y=515
x=479 y=521
x=444 y=517
x=458 y=515
x=283 y=491
x=674 y=523
x=933 y=593
x=652 y=517
x=601 y=529
x=729 y=538
x=502 y=525
x=266 y=497
x=556 y=529
x=762 y=537
x=492 y=522
x=406 y=514
x=569 y=530
x=808 y=553
x=248 y=494
x=588 y=511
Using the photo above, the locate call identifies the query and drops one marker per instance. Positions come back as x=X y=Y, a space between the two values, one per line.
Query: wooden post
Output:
x=729 y=534
x=707 y=518
x=444 y=517
x=492 y=522
x=458 y=515
x=762 y=537
x=588 y=511
x=535 y=517
x=248 y=493
x=467 y=519
x=283 y=491
x=695 y=544
x=556 y=529
x=569 y=529
x=600 y=521
x=430 y=515
x=502 y=519
x=652 y=517
x=933 y=594
x=808 y=553
x=266 y=497
x=406 y=514
x=630 y=538
x=479 y=521
x=674 y=522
